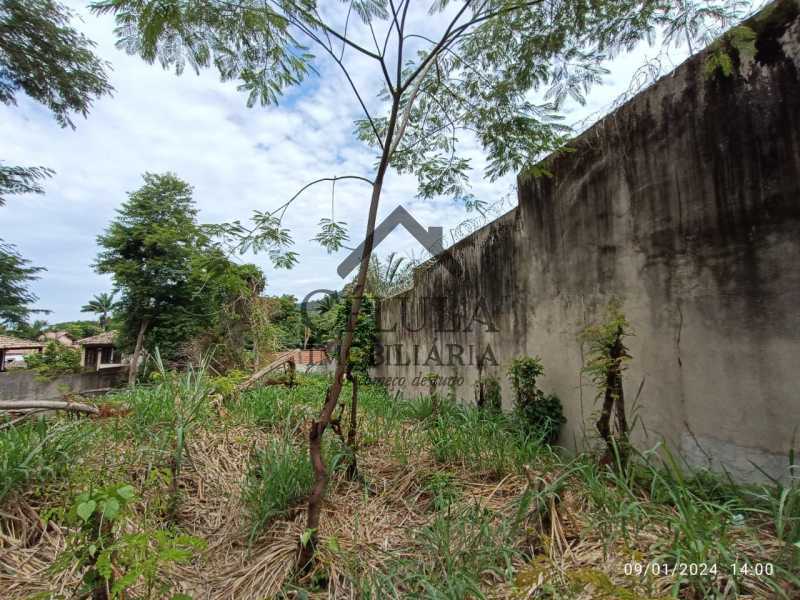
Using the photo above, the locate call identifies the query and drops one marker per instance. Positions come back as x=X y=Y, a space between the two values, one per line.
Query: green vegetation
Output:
x=175 y=281
x=278 y=479
x=36 y=452
x=55 y=360
x=539 y=412
x=16 y=273
x=103 y=305
x=42 y=55
x=111 y=559
x=452 y=502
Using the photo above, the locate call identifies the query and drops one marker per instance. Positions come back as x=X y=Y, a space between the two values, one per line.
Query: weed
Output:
x=38 y=451
x=279 y=477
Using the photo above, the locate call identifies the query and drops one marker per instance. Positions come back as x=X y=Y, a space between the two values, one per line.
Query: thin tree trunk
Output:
x=137 y=351
x=352 y=468
x=614 y=400
x=318 y=427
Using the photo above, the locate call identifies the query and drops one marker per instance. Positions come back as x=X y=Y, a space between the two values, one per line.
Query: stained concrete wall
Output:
x=22 y=384
x=685 y=204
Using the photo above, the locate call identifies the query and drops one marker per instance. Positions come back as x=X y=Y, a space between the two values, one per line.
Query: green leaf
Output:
x=85 y=509
x=333 y=544
x=111 y=509
x=126 y=492
x=306 y=536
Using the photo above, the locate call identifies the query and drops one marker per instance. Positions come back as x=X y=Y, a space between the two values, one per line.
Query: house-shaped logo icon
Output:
x=430 y=238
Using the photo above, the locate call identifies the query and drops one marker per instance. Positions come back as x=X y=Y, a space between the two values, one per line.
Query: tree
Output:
x=149 y=250
x=45 y=57
x=52 y=63
x=32 y=330
x=101 y=304
x=476 y=77
x=174 y=279
x=15 y=297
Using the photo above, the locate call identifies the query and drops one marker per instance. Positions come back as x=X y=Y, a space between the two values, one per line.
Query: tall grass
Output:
x=453 y=558
x=278 y=478
x=481 y=440
x=36 y=452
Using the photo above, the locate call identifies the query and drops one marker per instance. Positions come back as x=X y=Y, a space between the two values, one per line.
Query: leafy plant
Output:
x=189 y=392
x=54 y=360
x=114 y=560
x=541 y=414
x=608 y=359
x=738 y=42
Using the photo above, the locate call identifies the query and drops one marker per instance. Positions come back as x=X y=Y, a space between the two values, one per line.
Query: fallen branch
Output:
x=15 y=405
x=282 y=359
x=22 y=417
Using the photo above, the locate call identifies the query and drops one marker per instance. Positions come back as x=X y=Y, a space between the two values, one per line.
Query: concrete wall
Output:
x=21 y=384
x=685 y=204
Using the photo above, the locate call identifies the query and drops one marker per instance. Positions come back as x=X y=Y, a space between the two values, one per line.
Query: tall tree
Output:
x=475 y=76
x=101 y=304
x=47 y=59
x=31 y=330
x=173 y=278
x=16 y=273
x=148 y=249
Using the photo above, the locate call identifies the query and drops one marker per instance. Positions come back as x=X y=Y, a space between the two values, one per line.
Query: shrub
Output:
x=541 y=414
x=112 y=558
x=55 y=360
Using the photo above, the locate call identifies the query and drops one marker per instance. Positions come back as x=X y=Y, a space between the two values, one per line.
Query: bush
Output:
x=55 y=360
x=540 y=413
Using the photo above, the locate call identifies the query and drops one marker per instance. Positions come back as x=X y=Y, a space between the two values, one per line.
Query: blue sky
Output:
x=237 y=159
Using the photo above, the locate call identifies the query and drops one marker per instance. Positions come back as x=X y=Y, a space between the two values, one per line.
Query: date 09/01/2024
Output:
x=698 y=569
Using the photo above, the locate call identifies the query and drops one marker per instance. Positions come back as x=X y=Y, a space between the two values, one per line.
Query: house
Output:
x=62 y=337
x=13 y=350
x=100 y=352
x=314 y=360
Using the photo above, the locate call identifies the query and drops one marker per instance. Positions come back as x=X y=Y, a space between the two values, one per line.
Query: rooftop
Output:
x=101 y=339
x=8 y=342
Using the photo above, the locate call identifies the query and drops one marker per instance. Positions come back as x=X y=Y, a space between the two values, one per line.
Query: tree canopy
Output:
x=101 y=304
x=499 y=72
x=42 y=55
x=170 y=274
x=16 y=273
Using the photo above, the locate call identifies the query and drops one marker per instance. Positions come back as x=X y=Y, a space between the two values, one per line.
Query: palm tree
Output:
x=101 y=304
x=385 y=279
x=328 y=302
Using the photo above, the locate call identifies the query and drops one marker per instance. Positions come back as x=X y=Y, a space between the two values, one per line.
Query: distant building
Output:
x=13 y=351
x=64 y=338
x=100 y=352
x=314 y=360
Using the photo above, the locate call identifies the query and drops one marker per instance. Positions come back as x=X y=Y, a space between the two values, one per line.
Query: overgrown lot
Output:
x=177 y=491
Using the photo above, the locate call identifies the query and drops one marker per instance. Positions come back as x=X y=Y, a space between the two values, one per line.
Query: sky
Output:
x=236 y=158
